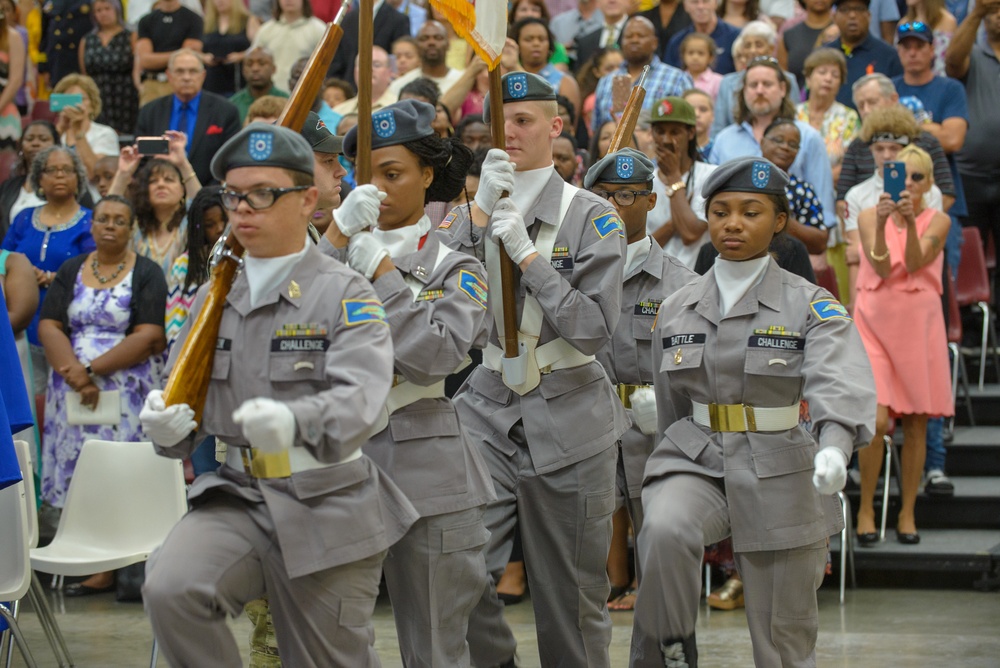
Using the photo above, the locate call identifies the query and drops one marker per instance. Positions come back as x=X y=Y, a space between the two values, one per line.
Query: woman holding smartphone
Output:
x=898 y=313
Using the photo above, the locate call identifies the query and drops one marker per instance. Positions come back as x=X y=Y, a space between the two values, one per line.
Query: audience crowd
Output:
x=105 y=241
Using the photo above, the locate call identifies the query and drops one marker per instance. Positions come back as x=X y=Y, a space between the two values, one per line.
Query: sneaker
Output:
x=674 y=655
x=938 y=484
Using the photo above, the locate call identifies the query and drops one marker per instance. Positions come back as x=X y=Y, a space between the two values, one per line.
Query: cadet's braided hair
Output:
x=450 y=160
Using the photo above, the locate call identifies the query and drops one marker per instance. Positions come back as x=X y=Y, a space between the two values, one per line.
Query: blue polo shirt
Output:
x=724 y=36
x=871 y=56
x=942 y=98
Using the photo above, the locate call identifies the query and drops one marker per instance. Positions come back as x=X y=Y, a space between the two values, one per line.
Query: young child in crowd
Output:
x=104 y=173
x=698 y=54
x=704 y=116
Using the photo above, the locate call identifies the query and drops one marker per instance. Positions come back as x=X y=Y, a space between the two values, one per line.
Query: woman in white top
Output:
x=77 y=128
x=293 y=34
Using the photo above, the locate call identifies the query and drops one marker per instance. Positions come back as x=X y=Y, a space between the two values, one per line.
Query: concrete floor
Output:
x=877 y=628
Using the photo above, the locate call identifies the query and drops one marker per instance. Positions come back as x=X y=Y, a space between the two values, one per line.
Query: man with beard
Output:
x=432 y=47
x=258 y=70
x=764 y=98
x=865 y=53
x=639 y=46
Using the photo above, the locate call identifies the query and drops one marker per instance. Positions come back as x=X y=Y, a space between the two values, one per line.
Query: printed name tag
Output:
x=682 y=340
x=778 y=342
x=299 y=344
x=562 y=263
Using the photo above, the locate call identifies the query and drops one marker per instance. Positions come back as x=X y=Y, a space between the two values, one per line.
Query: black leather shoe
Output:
x=908 y=538
x=867 y=539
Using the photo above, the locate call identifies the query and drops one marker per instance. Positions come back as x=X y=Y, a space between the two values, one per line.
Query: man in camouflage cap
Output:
x=301 y=369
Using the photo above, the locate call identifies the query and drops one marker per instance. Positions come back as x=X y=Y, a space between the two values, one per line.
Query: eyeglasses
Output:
x=914 y=26
x=261 y=198
x=793 y=145
x=62 y=170
x=918 y=177
x=623 y=197
x=114 y=222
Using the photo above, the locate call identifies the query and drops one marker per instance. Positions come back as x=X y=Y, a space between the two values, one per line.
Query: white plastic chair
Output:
x=35 y=595
x=15 y=568
x=122 y=502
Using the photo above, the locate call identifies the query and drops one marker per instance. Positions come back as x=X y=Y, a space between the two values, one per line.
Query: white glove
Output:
x=166 y=426
x=831 y=470
x=359 y=210
x=644 y=410
x=269 y=425
x=364 y=253
x=508 y=227
x=496 y=177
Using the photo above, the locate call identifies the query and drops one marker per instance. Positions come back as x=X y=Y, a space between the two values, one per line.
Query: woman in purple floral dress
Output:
x=101 y=322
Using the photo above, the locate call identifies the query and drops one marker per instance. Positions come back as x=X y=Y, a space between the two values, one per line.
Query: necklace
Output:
x=95 y=264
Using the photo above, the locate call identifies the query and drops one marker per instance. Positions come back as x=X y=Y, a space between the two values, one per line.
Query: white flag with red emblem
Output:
x=481 y=23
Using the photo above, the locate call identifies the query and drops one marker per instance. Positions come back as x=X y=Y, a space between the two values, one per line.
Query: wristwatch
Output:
x=674 y=187
x=89 y=370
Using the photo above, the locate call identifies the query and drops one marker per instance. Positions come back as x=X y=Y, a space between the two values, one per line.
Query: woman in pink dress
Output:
x=898 y=313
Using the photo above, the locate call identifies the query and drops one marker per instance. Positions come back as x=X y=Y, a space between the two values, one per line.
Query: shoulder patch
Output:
x=448 y=220
x=359 y=311
x=607 y=224
x=827 y=309
x=473 y=286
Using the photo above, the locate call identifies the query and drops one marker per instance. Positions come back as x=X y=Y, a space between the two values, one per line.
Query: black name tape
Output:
x=795 y=343
x=562 y=263
x=299 y=344
x=682 y=340
x=647 y=308
x=223 y=344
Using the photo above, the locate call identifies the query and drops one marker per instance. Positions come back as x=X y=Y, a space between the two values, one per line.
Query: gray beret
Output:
x=399 y=123
x=746 y=175
x=320 y=137
x=521 y=87
x=263 y=145
x=625 y=166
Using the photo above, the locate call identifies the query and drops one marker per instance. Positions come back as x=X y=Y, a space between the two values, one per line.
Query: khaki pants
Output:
x=152 y=90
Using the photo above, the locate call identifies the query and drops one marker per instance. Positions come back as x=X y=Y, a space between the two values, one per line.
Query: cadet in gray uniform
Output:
x=435 y=300
x=737 y=350
x=302 y=368
x=549 y=420
x=625 y=179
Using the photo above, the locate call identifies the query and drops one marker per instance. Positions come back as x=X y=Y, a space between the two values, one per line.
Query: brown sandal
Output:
x=625 y=602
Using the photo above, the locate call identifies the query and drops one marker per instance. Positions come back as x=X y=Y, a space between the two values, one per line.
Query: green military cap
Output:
x=264 y=145
x=674 y=109
x=399 y=123
x=320 y=137
x=746 y=175
x=521 y=87
x=625 y=166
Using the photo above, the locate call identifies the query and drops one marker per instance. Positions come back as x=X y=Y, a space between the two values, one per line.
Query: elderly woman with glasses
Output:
x=825 y=71
x=101 y=322
x=50 y=234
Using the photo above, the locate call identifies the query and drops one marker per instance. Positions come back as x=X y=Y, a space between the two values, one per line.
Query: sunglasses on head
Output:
x=914 y=26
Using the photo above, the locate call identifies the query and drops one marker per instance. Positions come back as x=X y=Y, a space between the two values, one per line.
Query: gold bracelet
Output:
x=189 y=177
x=879 y=258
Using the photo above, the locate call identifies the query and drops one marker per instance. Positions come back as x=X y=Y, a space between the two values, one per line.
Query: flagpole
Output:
x=366 y=40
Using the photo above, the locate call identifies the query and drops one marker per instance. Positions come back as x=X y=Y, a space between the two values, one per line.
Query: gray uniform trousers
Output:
x=566 y=534
x=685 y=512
x=224 y=553
x=436 y=575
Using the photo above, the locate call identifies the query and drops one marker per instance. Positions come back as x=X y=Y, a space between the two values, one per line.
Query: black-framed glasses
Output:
x=623 y=197
x=260 y=198
x=63 y=170
x=792 y=145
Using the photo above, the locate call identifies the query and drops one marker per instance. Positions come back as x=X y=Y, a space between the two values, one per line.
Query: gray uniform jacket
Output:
x=324 y=352
x=628 y=358
x=424 y=449
x=785 y=340
x=574 y=413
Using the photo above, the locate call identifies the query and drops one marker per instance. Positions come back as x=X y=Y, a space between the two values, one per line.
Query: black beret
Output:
x=625 y=166
x=399 y=123
x=263 y=145
x=746 y=175
x=521 y=87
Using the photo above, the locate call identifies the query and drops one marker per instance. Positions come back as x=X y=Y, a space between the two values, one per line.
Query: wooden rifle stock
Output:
x=626 y=126
x=188 y=382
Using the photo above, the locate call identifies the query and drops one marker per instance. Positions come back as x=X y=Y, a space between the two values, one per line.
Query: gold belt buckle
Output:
x=731 y=417
x=623 y=394
x=266 y=465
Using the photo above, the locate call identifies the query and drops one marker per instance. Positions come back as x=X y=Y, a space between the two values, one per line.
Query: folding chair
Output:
x=827 y=278
x=891 y=464
x=973 y=289
x=958 y=370
x=122 y=502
